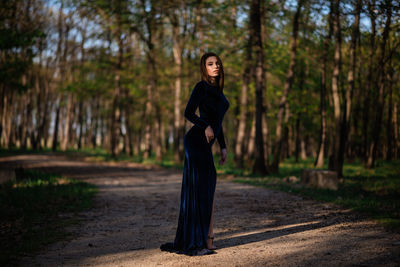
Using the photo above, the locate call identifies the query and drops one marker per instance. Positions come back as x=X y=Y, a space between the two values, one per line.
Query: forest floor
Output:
x=136 y=210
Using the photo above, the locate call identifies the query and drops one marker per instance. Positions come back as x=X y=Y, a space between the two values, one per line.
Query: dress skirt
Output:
x=197 y=195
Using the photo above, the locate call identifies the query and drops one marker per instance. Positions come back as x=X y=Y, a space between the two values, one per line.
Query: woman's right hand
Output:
x=209 y=133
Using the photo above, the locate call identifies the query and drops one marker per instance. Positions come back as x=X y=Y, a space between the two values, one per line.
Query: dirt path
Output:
x=137 y=209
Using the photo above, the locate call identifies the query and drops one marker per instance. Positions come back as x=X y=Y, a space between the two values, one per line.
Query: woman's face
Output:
x=212 y=66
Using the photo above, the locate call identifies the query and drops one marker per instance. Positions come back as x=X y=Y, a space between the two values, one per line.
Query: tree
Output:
x=380 y=85
x=286 y=89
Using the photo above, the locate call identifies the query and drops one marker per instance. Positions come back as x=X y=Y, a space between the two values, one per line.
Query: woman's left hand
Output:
x=223 y=156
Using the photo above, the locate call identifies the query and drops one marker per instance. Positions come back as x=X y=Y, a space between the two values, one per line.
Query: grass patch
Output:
x=36 y=209
x=100 y=154
x=375 y=192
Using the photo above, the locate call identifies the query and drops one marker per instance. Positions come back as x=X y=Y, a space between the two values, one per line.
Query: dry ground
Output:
x=136 y=210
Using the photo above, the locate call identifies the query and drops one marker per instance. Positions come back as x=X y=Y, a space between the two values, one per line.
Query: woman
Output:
x=194 y=235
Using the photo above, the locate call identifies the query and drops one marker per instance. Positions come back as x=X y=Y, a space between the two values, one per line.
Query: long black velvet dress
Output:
x=199 y=174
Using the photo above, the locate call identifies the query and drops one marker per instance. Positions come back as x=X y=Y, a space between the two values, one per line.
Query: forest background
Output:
x=305 y=79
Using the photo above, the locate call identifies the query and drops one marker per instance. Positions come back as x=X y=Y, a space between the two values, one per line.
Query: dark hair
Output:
x=204 y=73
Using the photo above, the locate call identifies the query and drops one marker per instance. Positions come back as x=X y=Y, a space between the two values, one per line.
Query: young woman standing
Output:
x=194 y=234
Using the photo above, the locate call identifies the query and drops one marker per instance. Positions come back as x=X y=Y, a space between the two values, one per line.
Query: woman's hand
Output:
x=209 y=133
x=223 y=156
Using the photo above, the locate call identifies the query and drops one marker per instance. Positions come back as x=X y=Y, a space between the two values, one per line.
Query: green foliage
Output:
x=35 y=210
x=17 y=40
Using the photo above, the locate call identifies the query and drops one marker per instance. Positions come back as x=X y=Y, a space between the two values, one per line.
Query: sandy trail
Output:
x=136 y=210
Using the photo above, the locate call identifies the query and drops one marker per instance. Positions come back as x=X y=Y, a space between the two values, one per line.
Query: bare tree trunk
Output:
x=24 y=121
x=381 y=89
x=256 y=12
x=148 y=123
x=95 y=120
x=177 y=52
x=37 y=132
x=239 y=124
x=319 y=161
x=251 y=141
x=348 y=95
x=286 y=89
x=285 y=138
x=45 y=114
x=128 y=118
x=303 y=147
x=369 y=82
x=67 y=122
x=3 y=95
x=241 y=129
x=265 y=133
x=56 y=123
x=355 y=147
x=81 y=104
x=396 y=131
x=297 y=141
x=61 y=71
x=103 y=129
x=158 y=119
x=80 y=123
x=334 y=163
x=49 y=107
x=5 y=119
x=13 y=126
x=152 y=90
x=389 y=126
x=68 y=115
x=116 y=107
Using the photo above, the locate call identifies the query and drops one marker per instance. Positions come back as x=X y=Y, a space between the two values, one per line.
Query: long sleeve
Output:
x=198 y=94
x=221 y=139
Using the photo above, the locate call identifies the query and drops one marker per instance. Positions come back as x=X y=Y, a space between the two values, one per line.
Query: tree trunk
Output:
x=251 y=141
x=286 y=89
x=153 y=97
x=116 y=107
x=177 y=52
x=128 y=115
x=80 y=123
x=70 y=104
x=45 y=114
x=369 y=82
x=319 y=162
x=381 y=89
x=357 y=114
x=95 y=120
x=241 y=129
x=285 y=138
x=396 y=131
x=82 y=77
x=148 y=122
x=389 y=126
x=265 y=133
x=297 y=141
x=303 y=146
x=348 y=96
x=61 y=71
x=56 y=123
x=39 y=96
x=255 y=22
x=334 y=163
